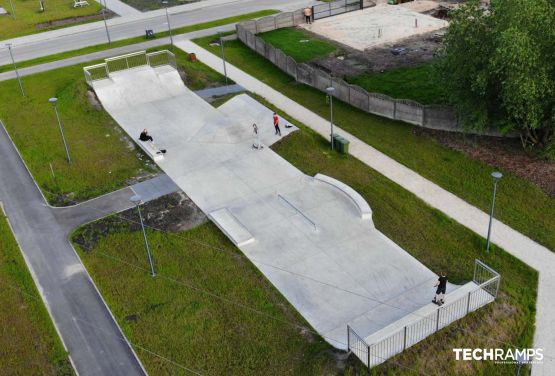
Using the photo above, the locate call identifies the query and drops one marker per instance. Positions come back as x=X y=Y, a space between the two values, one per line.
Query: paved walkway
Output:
x=313 y=238
x=88 y=331
x=527 y=250
x=120 y=8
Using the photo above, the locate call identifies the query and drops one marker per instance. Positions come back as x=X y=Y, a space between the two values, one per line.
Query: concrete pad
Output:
x=334 y=267
x=374 y=26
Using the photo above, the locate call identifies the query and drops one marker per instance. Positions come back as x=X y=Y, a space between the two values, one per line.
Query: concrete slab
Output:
x=374 y=26
x=343 y=273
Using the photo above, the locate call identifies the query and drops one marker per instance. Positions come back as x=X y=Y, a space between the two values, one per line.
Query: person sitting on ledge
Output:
x=145 y=136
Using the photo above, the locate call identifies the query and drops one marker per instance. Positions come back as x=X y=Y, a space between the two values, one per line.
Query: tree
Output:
x=498 y=68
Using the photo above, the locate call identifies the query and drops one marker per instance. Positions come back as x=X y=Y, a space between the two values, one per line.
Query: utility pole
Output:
x=9 y=45
x=330 y=91
x=105 y=24
x=137 y=201
x=168 y=20
x=223 y=55
x=54 y=102
x=496 y=177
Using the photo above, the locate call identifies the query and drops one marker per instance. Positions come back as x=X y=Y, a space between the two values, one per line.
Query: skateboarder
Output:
x=276 y=124
x=441 y=285
x=145 y=136
x=256 y=136
x=307 y=15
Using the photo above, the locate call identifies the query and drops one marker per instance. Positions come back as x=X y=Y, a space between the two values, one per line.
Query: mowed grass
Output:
x=28 y=15
x=442 y=245
x=208 y=309
x=134 y=40
x=298 y=44
x=414 y=83
x=29 y=344
x=103 y=157
x=520 y=204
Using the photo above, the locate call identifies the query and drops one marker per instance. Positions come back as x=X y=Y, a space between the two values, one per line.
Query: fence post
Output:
x=437 y=320
x=368 y=354
x=405 y=339
x=348 y=338
x=468 y=302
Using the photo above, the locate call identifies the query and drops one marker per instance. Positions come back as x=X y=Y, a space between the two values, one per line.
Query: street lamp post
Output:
x=105 y=23
x=9 y=45
x=223 y=55
x=168 y=20
x=330 y=90
x=496 y=177
x=137 y=201
x=54 y=102
x=13 y=10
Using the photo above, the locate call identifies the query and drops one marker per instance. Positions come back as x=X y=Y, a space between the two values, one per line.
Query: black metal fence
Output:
x=336 y=7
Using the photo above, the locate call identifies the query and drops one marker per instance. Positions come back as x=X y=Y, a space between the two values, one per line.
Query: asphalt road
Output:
x=71 y=38
x=93 y=339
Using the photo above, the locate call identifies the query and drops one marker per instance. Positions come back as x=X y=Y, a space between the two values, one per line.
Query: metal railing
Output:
x=307 y=219
x=487 y=281
x=128 y=61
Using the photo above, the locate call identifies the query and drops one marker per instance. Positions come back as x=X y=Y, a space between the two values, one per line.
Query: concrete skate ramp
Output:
x=310 y=241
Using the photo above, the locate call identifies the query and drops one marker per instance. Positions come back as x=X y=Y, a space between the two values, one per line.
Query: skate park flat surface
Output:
x=361 y=29
x=306 y=235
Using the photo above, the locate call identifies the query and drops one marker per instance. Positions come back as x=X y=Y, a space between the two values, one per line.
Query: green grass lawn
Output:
x=134 y=40
x=520 y=204
x=168 y=315
x=146 y=5
x=414 y=83
x=29 y=344
x=298 y=44
x=28 y=15
x=103 y=158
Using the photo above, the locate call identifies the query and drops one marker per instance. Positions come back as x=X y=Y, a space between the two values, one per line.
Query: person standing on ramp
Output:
x=276 y=124
x=441 y=285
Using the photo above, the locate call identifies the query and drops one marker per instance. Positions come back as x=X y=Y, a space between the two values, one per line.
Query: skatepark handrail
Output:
x=310 y=221
x=128 y=61
x=486 y=286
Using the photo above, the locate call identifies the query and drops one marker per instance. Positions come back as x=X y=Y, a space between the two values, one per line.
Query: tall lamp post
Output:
x=330 y=90
x=13 y=10
x=9 y=45
x=168 y=20
x=105 y=23
x=138 y=201
x=496 y=175
x=54 y=102
x=223 y=55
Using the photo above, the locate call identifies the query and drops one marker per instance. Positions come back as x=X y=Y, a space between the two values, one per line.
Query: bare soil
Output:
x=504 y=153
x=173 y=213
x=420 y=49
x=74 y=20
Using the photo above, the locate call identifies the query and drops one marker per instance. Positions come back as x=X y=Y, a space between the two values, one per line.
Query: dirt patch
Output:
x=419 y=49
x=173 y=213
x=501 y=152
x=74 y=20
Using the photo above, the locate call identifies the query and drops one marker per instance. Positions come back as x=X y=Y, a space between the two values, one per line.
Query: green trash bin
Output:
x=335 y=139
x=340 y=144
x=344 y=146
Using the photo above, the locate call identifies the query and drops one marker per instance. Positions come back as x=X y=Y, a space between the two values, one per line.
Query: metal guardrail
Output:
x=128 y=61
x=307 y=219
x=371 y=355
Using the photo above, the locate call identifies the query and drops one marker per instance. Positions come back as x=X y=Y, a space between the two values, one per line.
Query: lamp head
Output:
x=330 y=89
x=496 y=175
x=53 y=101
x=136 y=199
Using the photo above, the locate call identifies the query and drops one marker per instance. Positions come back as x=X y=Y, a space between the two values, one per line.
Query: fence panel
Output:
x=386 y=348
x=335 y=8
x=409 y=111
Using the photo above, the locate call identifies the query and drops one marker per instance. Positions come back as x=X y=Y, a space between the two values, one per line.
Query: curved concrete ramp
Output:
x=345 y=273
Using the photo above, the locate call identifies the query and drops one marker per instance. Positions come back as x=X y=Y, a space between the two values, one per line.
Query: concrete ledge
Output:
x=231 y=227
x=151 y=150
x=363 y=207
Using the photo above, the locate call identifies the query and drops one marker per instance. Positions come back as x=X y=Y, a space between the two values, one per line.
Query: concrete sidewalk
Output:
x=120 y=8
x=527 y=250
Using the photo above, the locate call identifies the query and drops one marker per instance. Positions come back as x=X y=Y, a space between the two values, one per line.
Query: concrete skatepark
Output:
x=312 y=237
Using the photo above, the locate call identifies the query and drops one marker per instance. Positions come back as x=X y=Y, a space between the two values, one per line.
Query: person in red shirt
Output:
x=276 y=124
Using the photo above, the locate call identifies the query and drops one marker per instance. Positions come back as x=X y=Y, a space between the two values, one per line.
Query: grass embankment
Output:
x=299 y=44
x=415 y=83
x=125 y=42
x=170 y=316
x=28 y=16
x=29 y=344
x=103 y=158
x=520 y=204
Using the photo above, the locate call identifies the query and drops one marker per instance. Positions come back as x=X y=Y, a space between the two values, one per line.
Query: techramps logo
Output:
x=501 y=356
